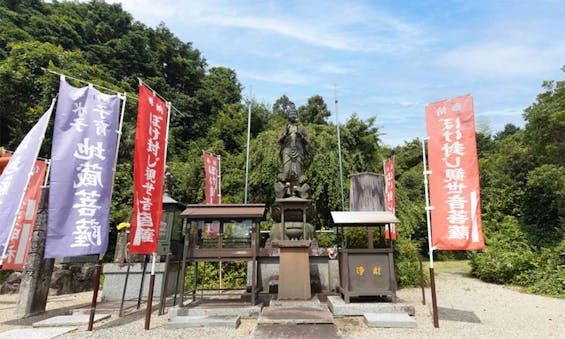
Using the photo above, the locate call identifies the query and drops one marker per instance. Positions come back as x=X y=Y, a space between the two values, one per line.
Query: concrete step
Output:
x=339 y=308
x=203 y=321
x=402 y=320
x=36 y=333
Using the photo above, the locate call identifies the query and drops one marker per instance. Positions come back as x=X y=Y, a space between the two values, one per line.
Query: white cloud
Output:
x=287 y=77
x=505 y=59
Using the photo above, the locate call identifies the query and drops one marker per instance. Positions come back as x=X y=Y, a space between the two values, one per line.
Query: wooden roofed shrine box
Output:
x=366 y=272
x=227 y=232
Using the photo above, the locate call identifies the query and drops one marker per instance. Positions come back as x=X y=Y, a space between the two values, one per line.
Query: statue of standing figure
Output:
x=293 y=142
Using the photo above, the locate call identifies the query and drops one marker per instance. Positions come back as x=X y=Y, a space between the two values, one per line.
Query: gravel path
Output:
x=468 y=308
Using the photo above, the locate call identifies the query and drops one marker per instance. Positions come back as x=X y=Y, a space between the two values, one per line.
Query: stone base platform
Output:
x=339 y=308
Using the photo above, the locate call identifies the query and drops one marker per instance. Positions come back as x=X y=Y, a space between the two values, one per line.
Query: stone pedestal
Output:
x=294 y=269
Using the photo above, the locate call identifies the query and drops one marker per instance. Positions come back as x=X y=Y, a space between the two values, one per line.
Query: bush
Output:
x=506 y=256
x=406 y=263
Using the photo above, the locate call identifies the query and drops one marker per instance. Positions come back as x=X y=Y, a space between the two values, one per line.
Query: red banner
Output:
x=211 y=170
x=18 y=245
x=148 y=171
x=390 y=196
x=454 y=178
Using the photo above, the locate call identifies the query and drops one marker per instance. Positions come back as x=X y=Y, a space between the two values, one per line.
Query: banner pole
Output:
x=13 y=223
x=247 y=152
x=430 y=247
x=150 y=295
x=339 y=153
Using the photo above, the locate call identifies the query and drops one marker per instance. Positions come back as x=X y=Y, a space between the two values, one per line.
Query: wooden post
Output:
x=422 y=283
x=165 y=280
x=96 y=286
x=142 y=281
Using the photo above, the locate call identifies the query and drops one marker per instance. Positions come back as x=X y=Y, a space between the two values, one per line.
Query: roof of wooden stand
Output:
x=225 y=212
x=364 y=218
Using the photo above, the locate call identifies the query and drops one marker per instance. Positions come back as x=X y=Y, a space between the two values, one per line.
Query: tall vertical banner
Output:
x=85 y=138
x=212 y=187
x=15 y=178
x=148 y=171
x=454 y=178
x=211 y=170
x=390 y=196
x=18 y=245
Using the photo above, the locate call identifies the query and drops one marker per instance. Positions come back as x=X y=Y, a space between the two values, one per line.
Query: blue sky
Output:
x=386 y=59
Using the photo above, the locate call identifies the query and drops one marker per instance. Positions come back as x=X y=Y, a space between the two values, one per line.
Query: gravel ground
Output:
x=468 y=308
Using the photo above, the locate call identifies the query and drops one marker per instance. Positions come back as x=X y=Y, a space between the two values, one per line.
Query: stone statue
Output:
x=293 y=142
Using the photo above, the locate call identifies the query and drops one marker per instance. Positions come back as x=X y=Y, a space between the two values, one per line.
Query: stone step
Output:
x=292 y=331
x=402 y=320
x=245 y=311
x=339 y=308
x=295 y=315
x=203 y=321
x=312 y=303
x=69 y=320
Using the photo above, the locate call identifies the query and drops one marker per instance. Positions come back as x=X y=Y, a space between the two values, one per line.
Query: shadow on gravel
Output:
x=458 y=315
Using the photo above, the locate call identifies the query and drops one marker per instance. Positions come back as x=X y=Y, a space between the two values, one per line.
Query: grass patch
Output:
x=450 y=266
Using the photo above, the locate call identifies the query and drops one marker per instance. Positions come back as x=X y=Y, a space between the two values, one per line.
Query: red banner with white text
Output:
x=454 y=178
x=18 y=245
x=148 y=171
x=390 y=196
x=211 y=171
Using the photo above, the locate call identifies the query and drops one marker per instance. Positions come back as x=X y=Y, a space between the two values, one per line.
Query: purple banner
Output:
x=82 y=161
x=16 y=175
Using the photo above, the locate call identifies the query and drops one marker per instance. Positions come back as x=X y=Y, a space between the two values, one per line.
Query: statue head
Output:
x=292 y=113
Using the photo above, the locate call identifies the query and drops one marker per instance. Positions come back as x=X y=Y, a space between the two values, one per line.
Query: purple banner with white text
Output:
x=15 y=177
x=82 y=158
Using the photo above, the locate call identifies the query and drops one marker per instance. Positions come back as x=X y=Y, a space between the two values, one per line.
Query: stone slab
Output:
x=203 y=321
x=114 y=280
x=290 y=331
x=295 y=315
x=339 y=308
x=69 y=320
x=36 y=333
x=389 y=320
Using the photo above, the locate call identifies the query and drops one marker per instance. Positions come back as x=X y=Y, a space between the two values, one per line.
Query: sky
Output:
x=383 y=59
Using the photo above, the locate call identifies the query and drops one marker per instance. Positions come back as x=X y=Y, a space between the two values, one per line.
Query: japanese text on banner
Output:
x=454 y=179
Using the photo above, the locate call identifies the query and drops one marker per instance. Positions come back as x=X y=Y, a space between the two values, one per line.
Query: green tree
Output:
x=315 y=111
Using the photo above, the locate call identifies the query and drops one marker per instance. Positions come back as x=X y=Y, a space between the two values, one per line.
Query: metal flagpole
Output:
x=430 y=247
x=339 y=153
x=13 y=223
x=247 y=153
x=220 y=202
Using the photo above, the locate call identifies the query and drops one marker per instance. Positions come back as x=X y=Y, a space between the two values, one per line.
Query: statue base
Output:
x=294 y=269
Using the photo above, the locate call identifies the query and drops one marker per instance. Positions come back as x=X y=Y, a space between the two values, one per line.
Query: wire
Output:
x=131 y=96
